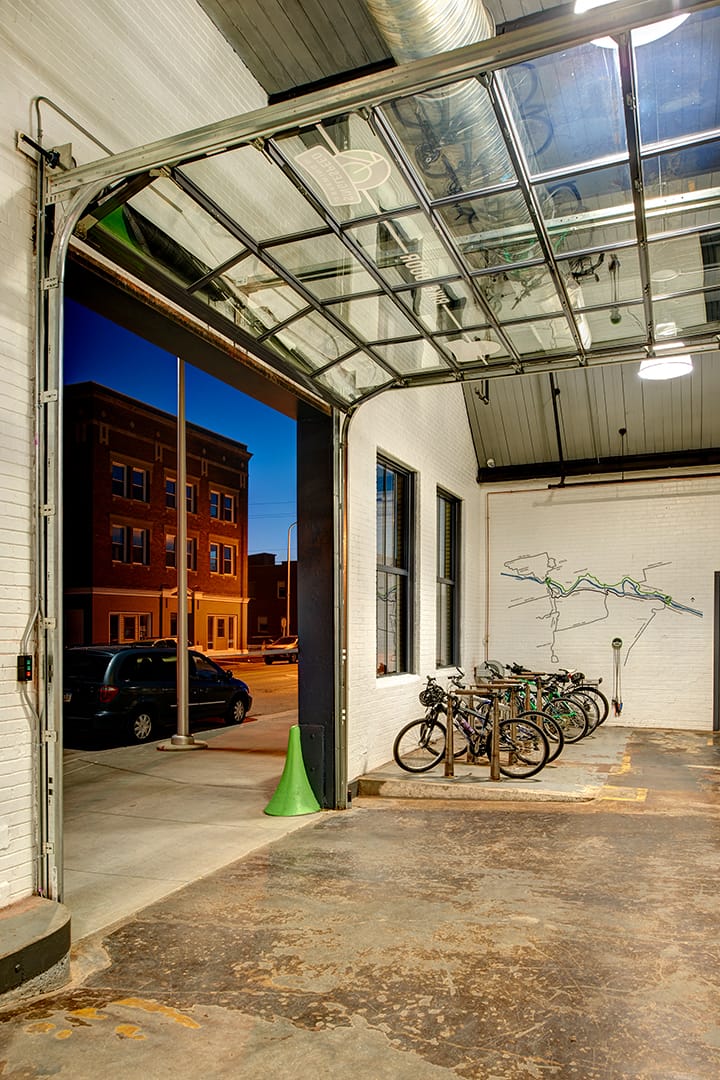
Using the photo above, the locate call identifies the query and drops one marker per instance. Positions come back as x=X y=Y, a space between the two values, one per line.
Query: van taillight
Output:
x=107 y=693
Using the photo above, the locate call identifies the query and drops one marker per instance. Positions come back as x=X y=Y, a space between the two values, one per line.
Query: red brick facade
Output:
x=120 y=466
x=268 y=607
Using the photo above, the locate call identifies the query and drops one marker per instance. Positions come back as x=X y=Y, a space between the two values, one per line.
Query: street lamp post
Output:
x=287 y=591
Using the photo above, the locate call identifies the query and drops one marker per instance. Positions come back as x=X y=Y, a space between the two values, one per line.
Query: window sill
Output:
x=405 y=678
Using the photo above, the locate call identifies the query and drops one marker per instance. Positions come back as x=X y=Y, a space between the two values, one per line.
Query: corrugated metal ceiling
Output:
x=289 y=44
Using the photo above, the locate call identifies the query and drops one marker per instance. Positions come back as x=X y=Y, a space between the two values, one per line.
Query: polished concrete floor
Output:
x=139 y=823
x=424 y=938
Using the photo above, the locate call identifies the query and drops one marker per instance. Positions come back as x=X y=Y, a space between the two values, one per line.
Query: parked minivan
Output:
x=131 y=691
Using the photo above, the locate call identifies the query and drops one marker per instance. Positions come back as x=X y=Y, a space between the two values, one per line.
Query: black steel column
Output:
x=317 y=600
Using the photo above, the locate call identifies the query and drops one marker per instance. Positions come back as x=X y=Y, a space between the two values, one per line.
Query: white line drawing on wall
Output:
x=544 y=570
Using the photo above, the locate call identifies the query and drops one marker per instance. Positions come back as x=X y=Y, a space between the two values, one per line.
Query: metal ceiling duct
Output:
x=420 y=28
x=415 y=29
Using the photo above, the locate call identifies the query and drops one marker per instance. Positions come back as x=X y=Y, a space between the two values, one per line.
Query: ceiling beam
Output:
x=535 y=470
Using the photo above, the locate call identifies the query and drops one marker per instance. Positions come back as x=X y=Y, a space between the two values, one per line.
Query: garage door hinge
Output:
x=48 y=624
x=50 y=283
x=47 y=510
x=50 y=735
x=48 y=849
x=47 y=396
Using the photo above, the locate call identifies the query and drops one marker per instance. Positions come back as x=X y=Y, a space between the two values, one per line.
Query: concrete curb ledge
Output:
x=34 y=947
x=467 y=788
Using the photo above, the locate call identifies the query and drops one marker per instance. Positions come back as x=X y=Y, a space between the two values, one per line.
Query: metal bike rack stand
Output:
x=449 y=741
x=490 y=689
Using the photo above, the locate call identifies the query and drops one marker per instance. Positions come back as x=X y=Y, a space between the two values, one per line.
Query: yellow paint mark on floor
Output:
x=129 y=1031
x=625 y=765
x=64 y=1034
x=40 y=1027
x=163 y=1010
x=618 y=794
x=88 y=1013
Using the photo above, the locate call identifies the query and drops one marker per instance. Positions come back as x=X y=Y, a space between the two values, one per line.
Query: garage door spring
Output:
x=617 y=690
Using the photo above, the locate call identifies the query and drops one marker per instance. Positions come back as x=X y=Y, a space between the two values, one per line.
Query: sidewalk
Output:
x=140 y=824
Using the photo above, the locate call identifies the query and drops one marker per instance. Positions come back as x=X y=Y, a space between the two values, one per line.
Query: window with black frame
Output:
x=394 y=579
x=448 y=536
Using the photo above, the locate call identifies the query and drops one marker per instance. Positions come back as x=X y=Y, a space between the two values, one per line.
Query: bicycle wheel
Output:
x=570 y=715
x=420 y=745
x=602 y=701
x=590 y=705
x=523 y=748
x=551 y=728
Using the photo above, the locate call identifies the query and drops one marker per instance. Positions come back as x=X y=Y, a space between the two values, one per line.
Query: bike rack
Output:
x=491 y=688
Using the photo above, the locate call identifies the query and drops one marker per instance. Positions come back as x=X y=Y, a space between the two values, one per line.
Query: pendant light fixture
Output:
x=661 y=365
x=666 y=367
x=642 y=35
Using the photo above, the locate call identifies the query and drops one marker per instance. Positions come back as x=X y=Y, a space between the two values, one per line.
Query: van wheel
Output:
x=268 y=660
x=236 y=712
x=141 y=726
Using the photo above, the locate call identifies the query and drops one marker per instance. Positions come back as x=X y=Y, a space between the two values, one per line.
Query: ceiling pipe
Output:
x=555 y=392
x=414 y=29
x=462 y=117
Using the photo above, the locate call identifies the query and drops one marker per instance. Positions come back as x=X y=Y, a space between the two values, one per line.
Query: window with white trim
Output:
x=130 y=482
x=223 y=559
x=130 y=545
x=222 y=506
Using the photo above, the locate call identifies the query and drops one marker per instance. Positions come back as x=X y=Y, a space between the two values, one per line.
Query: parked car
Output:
x=132 y=690
x=167 y=643
x=284 y=648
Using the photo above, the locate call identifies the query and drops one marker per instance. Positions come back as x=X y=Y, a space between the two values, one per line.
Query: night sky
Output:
x=97 y=350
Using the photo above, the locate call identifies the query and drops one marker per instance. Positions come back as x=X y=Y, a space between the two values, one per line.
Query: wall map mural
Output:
x=578 y=598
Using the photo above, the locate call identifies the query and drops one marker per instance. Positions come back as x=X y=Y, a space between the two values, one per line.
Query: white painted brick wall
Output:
x=129 y=73
x=426 y=431
x=661 y=535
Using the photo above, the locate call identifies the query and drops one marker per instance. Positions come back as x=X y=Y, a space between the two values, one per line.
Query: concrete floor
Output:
x=139 y=824
x=409 y=938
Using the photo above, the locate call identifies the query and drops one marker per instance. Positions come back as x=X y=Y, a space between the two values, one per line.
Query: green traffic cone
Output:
x=293 y=795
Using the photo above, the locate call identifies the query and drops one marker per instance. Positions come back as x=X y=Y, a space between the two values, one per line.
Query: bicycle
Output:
x=546 y=722
x=420 y=745
x=574 y=715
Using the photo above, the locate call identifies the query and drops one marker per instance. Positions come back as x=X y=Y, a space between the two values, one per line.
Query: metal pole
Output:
x=183 y=688
x=287 y=591
x=449 y=742
x=495 y=746
x=182 y=740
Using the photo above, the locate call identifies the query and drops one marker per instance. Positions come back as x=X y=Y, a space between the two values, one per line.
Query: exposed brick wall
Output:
x=103 y=428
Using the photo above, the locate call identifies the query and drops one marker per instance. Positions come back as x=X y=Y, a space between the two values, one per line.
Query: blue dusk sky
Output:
x=97 y=350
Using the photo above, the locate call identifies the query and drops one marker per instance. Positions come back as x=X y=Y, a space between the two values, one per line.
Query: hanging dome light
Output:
x=666 y=367
x=642 y=35
x=661 y=365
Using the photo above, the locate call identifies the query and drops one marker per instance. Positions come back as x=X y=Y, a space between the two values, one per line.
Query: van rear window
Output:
x=80 y=665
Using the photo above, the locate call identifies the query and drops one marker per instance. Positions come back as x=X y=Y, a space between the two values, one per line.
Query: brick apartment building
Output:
x=268 y=591
x=120 y=524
